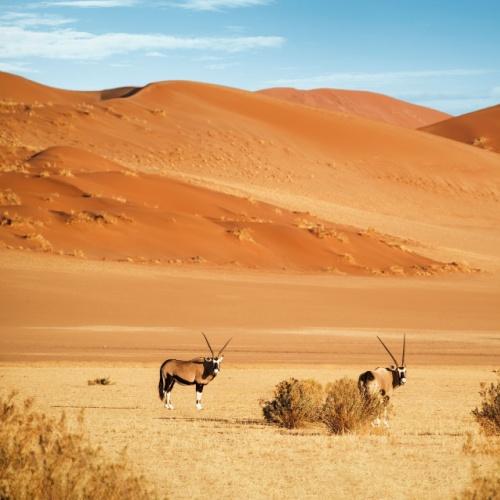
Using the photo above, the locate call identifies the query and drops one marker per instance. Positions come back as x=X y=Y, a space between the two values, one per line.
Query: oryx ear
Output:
x=393 y=367
x=208 y=359
x=221 y=358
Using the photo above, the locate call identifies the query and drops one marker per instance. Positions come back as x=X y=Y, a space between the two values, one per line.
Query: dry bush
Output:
x=38 y=242
x=242 y=233
x=488 y=416
x=40 y=458
x=100 y=381
x=9 y=198
x=346 y=409
x=295 y=403
x=484 y=485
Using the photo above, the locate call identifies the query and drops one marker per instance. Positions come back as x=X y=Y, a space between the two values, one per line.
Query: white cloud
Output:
x=87 y=4
x=24 y=20
x=17 y=42
x=16 y=68
x=378 y=78
x=208 y=5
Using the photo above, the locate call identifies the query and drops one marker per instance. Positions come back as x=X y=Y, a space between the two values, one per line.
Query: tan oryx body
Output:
x=198 y=372
x=383 y=381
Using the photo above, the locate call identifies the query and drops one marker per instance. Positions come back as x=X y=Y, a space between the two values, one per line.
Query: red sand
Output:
x=479 y=128
x=370 y=105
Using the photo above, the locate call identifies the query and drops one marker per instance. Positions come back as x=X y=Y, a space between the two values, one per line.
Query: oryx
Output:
x=383 y=381
x=197 y=371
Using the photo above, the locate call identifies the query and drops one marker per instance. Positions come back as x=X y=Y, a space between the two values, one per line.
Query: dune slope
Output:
x=361 y=103
x=440 y=197
x=479 y=128
x=74 y=202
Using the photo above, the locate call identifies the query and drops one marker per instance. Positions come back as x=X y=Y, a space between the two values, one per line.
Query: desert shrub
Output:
x=100 y=381
x=295 y=402
x=488 y=415
x=346 y=409
x=484 y=485
x=40 y=458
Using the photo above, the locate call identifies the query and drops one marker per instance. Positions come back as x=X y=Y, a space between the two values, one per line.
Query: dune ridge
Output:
x=361 y=103
x=480 y=128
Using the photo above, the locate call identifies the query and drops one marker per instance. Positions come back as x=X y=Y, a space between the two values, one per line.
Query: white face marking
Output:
x=217 y=365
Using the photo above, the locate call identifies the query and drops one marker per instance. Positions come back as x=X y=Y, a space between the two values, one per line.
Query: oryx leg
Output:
x=199 y=392
x=386 y=421
x=169 y=384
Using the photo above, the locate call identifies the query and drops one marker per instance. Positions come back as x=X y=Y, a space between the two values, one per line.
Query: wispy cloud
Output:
x=211 y=5
x=27 y=19
x=17 y=42
x=379 y=78
x=16 y=68
x=88 y=4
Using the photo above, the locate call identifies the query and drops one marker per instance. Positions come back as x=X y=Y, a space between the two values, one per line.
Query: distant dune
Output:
x=435 y=197
x=361 y=103
x=479 y=128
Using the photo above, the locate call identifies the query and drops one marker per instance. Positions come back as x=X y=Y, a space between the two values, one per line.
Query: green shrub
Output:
x=346 y=410
x=40 y=458
x=295 y=403
x=488 y=415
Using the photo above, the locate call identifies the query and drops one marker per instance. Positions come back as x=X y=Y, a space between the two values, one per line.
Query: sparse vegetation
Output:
x=484 y=485
x=295 y=402
x=346 y=410
x=9 y=198
x=100 y=381
x=38 y=241
x=488 y=415
x=41 y=458
x=242 y=233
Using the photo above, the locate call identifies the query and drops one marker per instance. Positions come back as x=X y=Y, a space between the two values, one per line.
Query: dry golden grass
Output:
x=346 y=410
x=488 y=415
x=40 y=458
x=295 y=403
x=228 y=448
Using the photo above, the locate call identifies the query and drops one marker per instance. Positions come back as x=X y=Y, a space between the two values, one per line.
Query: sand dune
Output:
x=361 y=103
x=439 y=197
x=479 y=128
x=73 y=202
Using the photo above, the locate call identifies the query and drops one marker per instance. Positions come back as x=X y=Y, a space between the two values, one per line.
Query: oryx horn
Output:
x=404 y=345
x=224 y=346
x=390 y=353
x=209 y=346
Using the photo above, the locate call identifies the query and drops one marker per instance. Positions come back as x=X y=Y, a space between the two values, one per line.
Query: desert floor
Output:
x=65 y=321
x=226 y=448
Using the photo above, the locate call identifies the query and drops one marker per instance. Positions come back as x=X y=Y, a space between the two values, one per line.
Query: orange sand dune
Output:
x=479 y=128
x=361 y=103
x=73 y=202
x=441 y=197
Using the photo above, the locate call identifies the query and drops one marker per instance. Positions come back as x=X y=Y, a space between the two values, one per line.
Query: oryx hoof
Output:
x=199 y=406
x=169 y=406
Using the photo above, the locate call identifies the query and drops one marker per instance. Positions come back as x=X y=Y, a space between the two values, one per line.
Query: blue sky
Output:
x=441 y=53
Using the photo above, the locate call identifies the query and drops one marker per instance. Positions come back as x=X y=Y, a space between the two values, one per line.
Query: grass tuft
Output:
x=41 y=458
x=295 y=403
x=488 y=415
x=100 y=381
x=346 y=410
x=484 y=485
